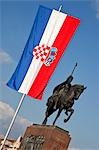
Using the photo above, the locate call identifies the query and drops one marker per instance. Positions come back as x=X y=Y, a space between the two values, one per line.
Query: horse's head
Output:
x=78 y=90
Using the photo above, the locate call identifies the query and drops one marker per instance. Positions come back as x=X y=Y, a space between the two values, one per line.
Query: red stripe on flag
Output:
x=65 y=34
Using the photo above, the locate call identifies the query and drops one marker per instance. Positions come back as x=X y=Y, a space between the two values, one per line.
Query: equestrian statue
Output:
x=63 y=98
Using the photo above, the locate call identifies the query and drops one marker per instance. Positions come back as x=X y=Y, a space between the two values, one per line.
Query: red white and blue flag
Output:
x=49 y=37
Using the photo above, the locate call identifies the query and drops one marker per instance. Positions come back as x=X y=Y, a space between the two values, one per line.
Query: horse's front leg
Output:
x=71 y=110
x=59 y=112
x=66 y=112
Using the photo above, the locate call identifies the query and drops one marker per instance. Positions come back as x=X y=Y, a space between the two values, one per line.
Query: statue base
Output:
x=45 y=137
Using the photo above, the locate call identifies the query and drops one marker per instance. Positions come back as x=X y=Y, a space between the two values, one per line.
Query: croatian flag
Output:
x=49 y=37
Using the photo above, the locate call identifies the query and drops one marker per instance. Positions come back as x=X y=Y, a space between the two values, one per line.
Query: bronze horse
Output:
x=65 y=100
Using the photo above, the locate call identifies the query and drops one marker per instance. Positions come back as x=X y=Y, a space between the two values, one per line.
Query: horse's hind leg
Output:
x=59 y=112
x=45 y=121
x=47 y=114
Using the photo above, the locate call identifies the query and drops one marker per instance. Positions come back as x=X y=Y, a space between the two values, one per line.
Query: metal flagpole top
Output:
x=60 y=7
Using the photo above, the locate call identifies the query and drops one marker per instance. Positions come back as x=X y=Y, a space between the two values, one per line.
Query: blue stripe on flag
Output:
x=38 y=28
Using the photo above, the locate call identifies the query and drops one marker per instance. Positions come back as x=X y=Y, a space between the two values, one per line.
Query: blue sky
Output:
x=16 y=20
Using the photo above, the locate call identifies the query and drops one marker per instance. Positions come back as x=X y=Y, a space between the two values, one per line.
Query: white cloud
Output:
x=5 y=57
x=6 y=113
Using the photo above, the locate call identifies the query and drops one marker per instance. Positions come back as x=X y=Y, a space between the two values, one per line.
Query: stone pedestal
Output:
x=45 y=137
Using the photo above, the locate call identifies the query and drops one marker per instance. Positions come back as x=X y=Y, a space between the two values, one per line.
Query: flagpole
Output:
x=13 y=120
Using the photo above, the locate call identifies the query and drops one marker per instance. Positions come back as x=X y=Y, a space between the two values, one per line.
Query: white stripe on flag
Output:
x=52 y=29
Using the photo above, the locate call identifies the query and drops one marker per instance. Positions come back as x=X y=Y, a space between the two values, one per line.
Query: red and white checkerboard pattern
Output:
x=41 y=52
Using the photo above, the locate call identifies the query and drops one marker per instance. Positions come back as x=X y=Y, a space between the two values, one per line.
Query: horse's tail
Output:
x=49 y=101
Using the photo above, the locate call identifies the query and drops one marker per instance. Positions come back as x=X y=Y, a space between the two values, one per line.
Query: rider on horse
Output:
x=59 y=89
x=63 y=98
